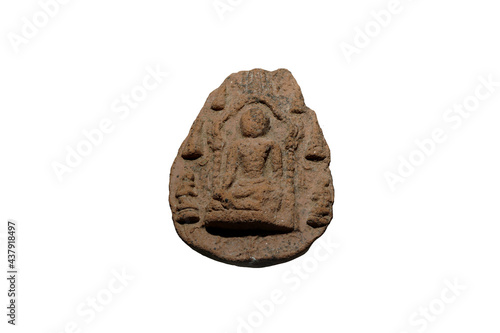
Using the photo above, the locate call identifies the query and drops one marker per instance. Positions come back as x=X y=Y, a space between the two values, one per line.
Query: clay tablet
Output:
x=251 y=184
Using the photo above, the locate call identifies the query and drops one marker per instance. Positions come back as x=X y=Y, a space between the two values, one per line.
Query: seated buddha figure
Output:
x=251 y=181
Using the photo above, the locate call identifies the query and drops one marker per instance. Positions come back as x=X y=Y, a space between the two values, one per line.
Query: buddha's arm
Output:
x=231 y=167
x=276 y=163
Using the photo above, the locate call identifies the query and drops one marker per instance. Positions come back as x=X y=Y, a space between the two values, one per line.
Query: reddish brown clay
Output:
x=251 y=185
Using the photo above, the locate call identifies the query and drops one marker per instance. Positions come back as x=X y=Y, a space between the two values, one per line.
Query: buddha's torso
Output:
x=252 y=155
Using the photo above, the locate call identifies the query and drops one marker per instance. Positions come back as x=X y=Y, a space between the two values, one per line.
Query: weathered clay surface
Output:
x=251 y=185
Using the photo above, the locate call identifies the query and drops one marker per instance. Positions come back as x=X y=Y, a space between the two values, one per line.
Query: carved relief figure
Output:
x=322 y=201
x=187 y=209
x=252 y=176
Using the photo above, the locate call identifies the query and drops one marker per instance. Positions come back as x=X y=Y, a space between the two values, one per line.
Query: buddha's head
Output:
x=254 y=122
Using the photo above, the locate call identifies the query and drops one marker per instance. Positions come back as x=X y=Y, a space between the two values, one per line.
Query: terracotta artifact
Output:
x=251 y=185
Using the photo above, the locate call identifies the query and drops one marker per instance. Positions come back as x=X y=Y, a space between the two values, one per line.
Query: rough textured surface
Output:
x=251 y=185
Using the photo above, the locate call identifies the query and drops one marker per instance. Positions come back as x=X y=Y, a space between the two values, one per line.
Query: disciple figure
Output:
x=187 y=208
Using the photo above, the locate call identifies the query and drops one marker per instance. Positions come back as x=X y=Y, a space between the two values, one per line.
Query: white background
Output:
x=397 y=248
